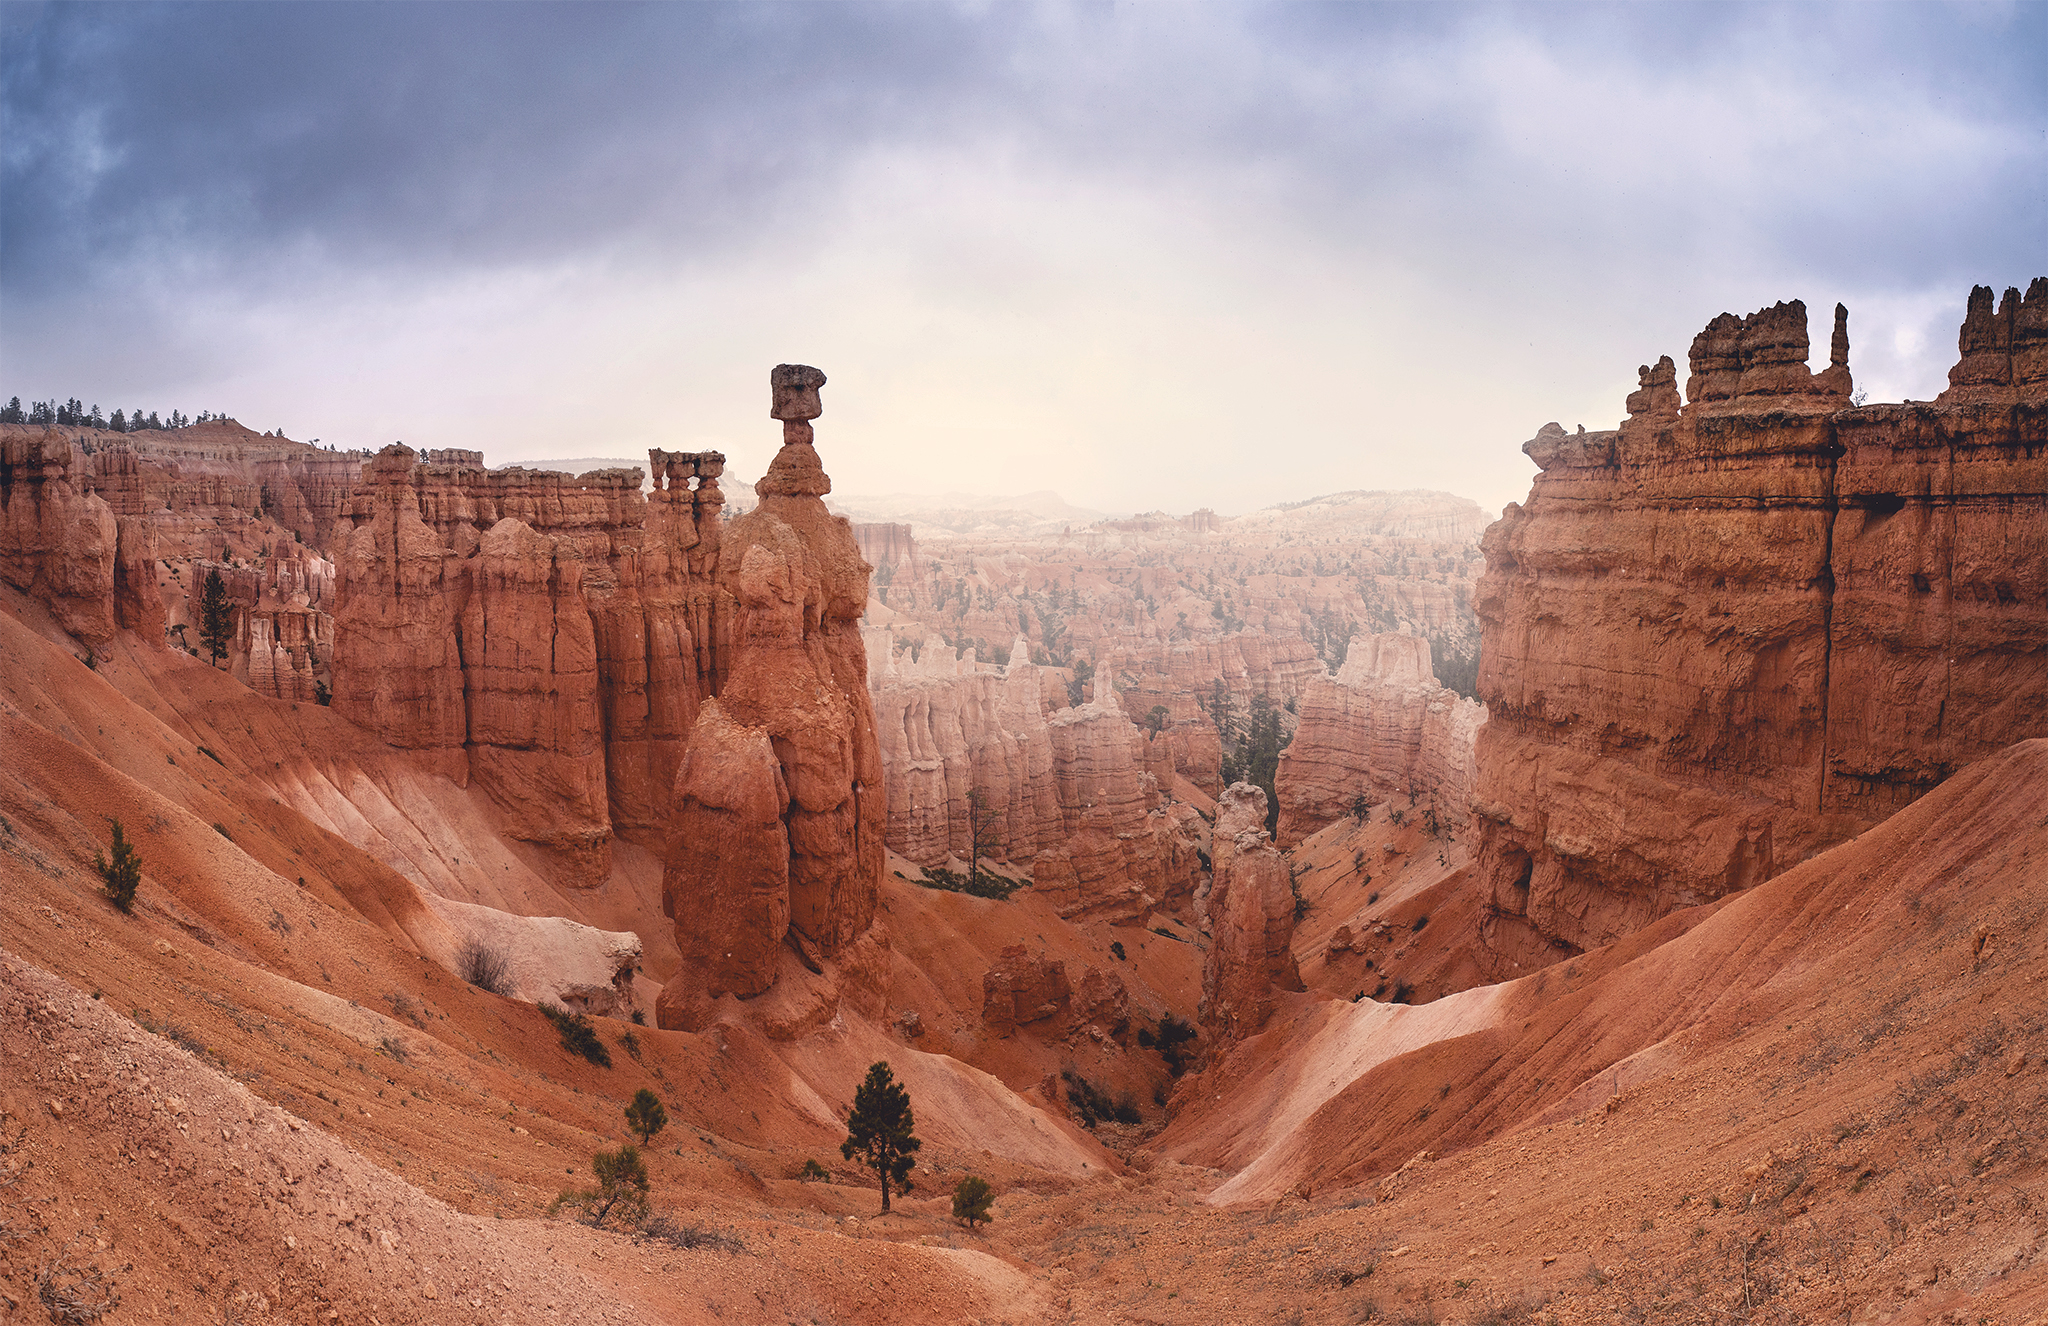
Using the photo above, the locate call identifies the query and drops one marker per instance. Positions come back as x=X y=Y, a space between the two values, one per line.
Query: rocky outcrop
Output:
x=1383 y=726
x=789 y=747
x=1251 y=921
x=554 y=634
x=1725 y=636
x=1188 y=678
x=547 y=959
x=950 y=726
x=1020 y=990
x=529 y=674
x=59 y=542
x=2004 y=351
x=400 y=590
x=1122 y=848
x=1070 y=793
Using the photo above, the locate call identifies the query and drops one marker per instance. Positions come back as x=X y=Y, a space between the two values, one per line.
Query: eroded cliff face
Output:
x=1251 y=921
x=949 y=726
x=59 y=541
x=787 y=761
x=1383 y=726
x=552 y=636
x=1726 y=636
x=1123 y=847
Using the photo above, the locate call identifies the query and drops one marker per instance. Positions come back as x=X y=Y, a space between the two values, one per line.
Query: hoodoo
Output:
x=778 y=813
x=1724 y=637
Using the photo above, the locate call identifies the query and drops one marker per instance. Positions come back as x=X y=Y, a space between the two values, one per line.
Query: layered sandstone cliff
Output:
x=778 y=812
x=949 y=727
x=1123 y=848
x=551 y=635
x=1071 y=793
x=59 y=541
x=1251 y=921
x=1725 y=636
x=1383 y=726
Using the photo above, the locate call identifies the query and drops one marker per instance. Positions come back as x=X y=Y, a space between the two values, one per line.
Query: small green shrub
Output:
x=661 y=1228
x=1116 y=948
x=578 y=1036
x=1091 y=1104
x=971 y=1197
x=1175 y=1043
x=813 y=1172
x=980 y=885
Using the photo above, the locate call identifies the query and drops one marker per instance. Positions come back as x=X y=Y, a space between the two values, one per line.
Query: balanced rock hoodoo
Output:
x=778 y=818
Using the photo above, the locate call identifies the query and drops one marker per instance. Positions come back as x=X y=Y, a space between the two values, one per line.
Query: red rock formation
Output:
x=555 y=633
x=947 y=727
x=1722 y=638
x=794 y=705
x=1020 y=989
x=1381 y=727
x=399 y=591
x=59 y=543
x=727 y=882
x=1071 y=794
x=1181 y=677
x=529 y=671
x=2004 y=354
x=1123 y=848
x=1251 y=921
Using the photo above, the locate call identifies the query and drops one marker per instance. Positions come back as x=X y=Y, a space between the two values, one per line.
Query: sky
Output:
x=1155 y=256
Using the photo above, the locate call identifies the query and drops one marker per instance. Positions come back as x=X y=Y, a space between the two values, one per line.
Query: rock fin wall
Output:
x=1381 y=727
x=1730 y=634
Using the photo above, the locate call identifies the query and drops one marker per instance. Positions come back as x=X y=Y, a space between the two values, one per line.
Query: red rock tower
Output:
x=778 y=809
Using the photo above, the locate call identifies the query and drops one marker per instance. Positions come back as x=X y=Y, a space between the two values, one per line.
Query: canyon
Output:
x=1630 y=909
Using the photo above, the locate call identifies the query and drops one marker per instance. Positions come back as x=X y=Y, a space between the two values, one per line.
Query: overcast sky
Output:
x=1147 y=256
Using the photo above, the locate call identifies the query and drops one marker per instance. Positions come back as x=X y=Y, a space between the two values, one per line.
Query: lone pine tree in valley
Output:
x=879 y=1130
x=216 y=618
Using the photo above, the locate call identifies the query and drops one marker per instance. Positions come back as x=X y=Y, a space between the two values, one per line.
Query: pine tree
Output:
x=13 y=413
x=621 y=1176
x=878 y=1130
x=984 y=831
x=645 y=1115
x=970 y=1201
x=123 y=874
x=216 y=617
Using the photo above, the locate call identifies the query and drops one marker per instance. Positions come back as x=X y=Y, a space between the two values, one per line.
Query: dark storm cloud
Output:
x=424 y=135
x=431 y=136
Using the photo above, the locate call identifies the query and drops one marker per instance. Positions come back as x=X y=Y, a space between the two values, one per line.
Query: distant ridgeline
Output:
x=73 y=413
